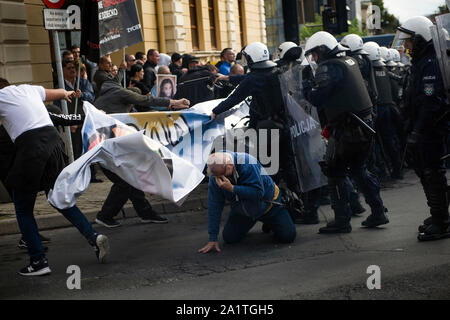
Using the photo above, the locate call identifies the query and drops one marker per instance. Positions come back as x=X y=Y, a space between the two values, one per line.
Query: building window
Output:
x=241 y=22
x=212 y=23
x=194 y=25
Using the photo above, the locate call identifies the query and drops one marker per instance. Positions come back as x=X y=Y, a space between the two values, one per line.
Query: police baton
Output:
x=193 y=81
x=361 y=122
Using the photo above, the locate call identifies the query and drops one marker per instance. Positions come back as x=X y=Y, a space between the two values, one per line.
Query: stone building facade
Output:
x=200 y=27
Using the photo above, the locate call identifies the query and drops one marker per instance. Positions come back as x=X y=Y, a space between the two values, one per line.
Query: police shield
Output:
x=441 y=40
x=304 y=127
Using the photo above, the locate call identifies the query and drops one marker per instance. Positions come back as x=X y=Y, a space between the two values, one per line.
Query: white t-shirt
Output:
x=22 y=109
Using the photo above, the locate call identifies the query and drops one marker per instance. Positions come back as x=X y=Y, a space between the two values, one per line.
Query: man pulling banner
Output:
x=140 y=161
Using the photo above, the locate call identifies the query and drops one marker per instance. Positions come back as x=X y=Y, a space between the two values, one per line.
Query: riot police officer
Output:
x=287 y=55
x=355 y=45
x=383 y=109
x=267 y=106
x=340 y=91
x=394 y=66
x=425 y=105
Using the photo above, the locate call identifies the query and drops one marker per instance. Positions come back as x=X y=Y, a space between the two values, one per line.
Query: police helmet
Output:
x=354 y=43
x=324 y=44
x=396 y=57
x=415 y=27
x=257 y=56
x=289 y=51
x=374 y=52
x=387 y=56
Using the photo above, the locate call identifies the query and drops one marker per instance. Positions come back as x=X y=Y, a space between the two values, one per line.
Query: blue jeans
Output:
x=278 y=219
x=24 y=206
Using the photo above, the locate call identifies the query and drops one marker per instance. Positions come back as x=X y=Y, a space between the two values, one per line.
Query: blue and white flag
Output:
x=190 y=134
x=141 y=161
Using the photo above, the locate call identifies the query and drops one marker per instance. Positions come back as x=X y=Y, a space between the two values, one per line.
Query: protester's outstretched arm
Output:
x=58 y=94
x=216 y=202
x=179 y=104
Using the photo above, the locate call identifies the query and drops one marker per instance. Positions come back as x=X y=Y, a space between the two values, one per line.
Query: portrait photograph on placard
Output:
x=166 y=85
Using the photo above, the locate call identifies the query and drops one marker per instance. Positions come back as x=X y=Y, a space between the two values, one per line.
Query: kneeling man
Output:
x=253 y=196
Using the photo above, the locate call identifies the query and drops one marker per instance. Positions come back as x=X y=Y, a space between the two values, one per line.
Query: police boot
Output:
x=435 y=186
x=355 y=204
x=309 y=217
x=266 y=228
x=377 y=218
x=425 y=224
x=340 y=203
x=311 y=203
x=336 y=227
x=435 y=232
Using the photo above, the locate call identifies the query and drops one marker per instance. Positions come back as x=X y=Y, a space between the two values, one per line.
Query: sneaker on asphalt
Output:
x=36 y=268
x=101 y=248
x=435 y=232
x=22 y=244
x=333 y=227
x=375 y=221
x=153 y=218
x=107 y=222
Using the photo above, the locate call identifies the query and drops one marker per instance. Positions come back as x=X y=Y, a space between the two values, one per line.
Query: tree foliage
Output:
x=389 y=22
x=310 y=28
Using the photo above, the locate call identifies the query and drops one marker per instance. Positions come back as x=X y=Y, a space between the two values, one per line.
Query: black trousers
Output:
x=119 y=194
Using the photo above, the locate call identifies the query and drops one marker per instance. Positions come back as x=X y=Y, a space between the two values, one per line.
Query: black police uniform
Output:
x=266 y=112
x=396 y=114
x=340 y=90
x=366 y=68
x=383 y=121
x=425 y=106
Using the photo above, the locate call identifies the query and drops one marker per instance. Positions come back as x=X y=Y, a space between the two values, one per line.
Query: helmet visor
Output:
x=401 y=35
x=399 y=39
x=312 y=63
x=244 y=61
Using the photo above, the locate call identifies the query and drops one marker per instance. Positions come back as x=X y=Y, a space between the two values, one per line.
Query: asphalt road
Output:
x=161 y=261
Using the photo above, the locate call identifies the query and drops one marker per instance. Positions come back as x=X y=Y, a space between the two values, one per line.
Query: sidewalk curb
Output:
x=57 y=220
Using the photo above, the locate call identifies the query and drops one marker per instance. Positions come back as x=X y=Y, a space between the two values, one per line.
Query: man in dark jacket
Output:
x=176 y=67
x=149 y=67
x=196 y=84
x=104 y=73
